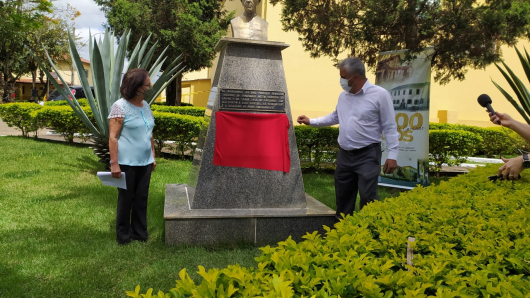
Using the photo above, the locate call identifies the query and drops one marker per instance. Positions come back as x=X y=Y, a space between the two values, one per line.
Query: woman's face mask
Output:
x=147 y=91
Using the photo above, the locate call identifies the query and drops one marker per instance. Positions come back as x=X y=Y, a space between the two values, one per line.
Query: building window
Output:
x=417 y=91
x=23 y=89
x=409 y=101
x=410 y=91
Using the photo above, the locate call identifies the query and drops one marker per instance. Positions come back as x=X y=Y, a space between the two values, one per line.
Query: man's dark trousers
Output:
x=131 y=217
x=357 y=171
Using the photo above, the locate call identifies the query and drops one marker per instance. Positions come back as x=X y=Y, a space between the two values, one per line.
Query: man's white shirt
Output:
x=363 y=117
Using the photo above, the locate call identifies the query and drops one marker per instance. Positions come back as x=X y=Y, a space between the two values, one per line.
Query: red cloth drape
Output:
x=258 y=141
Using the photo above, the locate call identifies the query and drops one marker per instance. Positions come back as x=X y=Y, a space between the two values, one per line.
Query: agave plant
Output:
x=517 y=86
x=107 y=66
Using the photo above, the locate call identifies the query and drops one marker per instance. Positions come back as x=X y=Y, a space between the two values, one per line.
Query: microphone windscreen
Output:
x=484 y=100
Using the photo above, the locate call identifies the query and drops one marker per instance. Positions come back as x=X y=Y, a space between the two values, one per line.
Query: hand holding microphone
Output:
x=485 y=101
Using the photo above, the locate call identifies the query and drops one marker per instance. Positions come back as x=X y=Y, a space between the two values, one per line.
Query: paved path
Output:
x=8 y=131
x=43 y=133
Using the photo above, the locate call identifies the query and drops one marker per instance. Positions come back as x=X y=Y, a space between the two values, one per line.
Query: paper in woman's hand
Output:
x=107 y=179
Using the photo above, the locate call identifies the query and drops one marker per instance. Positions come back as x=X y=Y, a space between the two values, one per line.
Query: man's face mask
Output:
x=344 y=84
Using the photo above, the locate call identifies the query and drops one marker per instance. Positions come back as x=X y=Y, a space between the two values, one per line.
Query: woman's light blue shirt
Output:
x=134 y=142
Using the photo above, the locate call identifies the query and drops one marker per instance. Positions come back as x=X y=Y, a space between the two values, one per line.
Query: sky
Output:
x=91 y=18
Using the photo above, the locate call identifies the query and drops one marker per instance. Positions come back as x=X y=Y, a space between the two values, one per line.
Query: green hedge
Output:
x=496 y=140
x=64 y=120
x=182 y=104
x=82 y=102
x=472 y=239
x=29 y=117
x=183 y=129
x=317 y=147
x=183 y=110
x=451 y=146
x=19 y=115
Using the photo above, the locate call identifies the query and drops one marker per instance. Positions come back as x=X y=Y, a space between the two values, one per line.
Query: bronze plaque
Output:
x=252 y=100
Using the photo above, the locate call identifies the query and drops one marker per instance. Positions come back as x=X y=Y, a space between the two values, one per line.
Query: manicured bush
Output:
x=444 y=145
x=317 y=146
x=64 y=121
x=183 y=110
x=19 y=115
x=182 y=104
x=82 y=102
x=471 y=240
x=183 y=129
x=439 y=126
x=495 y=140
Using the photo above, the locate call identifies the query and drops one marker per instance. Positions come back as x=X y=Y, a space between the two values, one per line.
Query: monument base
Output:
x=231 y=227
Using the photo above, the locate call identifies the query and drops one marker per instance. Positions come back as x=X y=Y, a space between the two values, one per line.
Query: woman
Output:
x=132 y=151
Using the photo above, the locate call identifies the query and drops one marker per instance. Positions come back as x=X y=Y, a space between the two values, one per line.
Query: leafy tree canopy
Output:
x=464 y=33
x=189 y=27
x=26 y=26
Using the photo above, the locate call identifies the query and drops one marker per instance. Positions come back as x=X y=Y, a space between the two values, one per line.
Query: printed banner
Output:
x=409 y=85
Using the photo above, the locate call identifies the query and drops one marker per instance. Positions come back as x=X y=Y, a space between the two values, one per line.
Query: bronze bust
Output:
x=249 y=25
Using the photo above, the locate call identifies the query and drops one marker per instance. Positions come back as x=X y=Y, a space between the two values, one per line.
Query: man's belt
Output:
x=357 y=151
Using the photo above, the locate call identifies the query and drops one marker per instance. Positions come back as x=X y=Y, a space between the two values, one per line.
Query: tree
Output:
x=26 y=27
x=189 y=27
x=52 y=36
x=17 y=18
x=464 y=33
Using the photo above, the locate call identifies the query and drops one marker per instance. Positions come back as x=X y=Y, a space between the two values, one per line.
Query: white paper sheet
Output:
x=107 y=179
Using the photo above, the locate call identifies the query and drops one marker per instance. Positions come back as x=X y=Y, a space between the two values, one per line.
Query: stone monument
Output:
x=241 y=203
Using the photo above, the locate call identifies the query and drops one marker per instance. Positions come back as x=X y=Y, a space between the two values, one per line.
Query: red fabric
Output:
x=258 y=141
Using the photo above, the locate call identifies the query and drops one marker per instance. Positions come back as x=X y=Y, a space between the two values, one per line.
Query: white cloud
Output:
x=91 y=19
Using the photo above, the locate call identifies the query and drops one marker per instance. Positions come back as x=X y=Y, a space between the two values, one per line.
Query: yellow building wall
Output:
x=64 y=69
x=313 y=84
x=196 y=92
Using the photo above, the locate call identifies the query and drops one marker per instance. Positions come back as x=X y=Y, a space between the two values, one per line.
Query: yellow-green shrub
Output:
x=472 y=240
x=19 y=115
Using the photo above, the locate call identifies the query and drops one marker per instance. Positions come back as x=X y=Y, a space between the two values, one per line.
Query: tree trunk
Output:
x=33 y=78
x=45 y=89
x=174 y=92
x=2 y=87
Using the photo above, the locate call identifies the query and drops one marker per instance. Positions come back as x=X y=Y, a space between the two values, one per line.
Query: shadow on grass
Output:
x=76 y=260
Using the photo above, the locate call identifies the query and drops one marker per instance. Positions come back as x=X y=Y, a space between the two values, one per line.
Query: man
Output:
x=514 y=166
x=249 y=25
x=363 y=112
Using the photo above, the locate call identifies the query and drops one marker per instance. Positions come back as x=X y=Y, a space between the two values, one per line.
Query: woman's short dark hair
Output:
x=132 y=80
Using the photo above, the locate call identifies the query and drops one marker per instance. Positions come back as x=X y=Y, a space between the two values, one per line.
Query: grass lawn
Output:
x=57 y=225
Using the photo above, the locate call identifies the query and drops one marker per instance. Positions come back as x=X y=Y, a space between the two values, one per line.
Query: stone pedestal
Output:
x=230 y=205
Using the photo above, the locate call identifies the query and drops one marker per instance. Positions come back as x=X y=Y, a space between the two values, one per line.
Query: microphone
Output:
x=485 y=101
